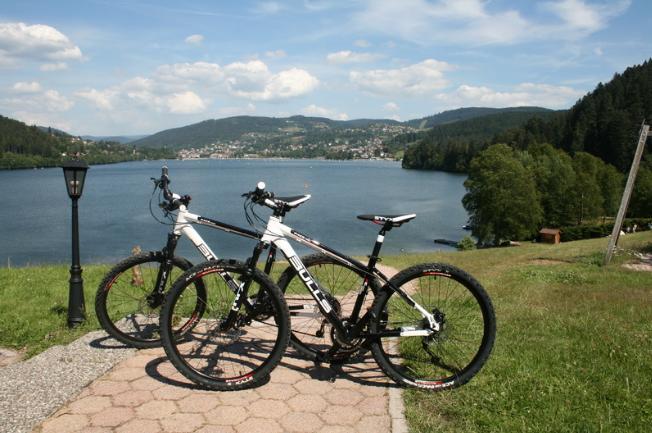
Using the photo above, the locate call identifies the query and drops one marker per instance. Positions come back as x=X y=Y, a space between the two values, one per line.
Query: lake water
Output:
x=114 y=211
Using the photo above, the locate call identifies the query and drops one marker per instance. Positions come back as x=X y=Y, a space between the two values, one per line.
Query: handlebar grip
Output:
x=164 y=171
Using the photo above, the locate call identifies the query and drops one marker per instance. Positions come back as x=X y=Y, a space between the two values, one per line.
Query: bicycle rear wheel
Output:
x=449 y=357
x=127 y=304
x=222 y=350
x=312 y=335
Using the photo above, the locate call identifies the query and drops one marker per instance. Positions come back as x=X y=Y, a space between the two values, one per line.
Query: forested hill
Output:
x=234 y=128
x=450 y=147
x=466 y=113
x=604 y=123
x=23 y=146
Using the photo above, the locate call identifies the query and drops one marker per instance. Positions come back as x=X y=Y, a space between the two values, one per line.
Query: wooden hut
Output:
x=550 y=236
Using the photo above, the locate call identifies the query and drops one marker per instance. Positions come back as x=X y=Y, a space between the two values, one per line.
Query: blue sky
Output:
x=107 y=67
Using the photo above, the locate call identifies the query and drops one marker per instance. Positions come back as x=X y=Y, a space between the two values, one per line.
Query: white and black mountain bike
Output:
x=431 y=326
x=129 y=298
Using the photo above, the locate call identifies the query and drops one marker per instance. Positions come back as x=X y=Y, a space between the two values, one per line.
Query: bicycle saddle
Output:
x=395 y=220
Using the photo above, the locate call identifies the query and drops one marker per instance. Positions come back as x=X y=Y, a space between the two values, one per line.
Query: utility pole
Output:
x=627 y=194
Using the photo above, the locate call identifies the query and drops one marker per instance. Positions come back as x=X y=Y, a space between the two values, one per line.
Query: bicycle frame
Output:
x=277 y=233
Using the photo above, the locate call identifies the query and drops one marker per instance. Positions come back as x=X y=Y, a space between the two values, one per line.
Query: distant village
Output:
x=371 y=142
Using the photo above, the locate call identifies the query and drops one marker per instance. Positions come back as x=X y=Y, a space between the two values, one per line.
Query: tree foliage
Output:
x=502 y=198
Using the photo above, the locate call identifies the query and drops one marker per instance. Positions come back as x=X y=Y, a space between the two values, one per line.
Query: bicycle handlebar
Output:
x=173 y=201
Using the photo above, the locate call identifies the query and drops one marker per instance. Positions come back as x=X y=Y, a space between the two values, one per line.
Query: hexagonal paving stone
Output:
x=156 y=409
x=139 y=361
x=259 y=425
x=171 y=393
x=286 y=375
x=312 y=386
x=336 y=429
x=139 y=426
x=267 y=408
x=132 y=398
x=301 y=422
x=89 y=405
x=373 y=424
x=226 y=415
x=66 y=422
x=277 y=391
x=146 y=384
x=308 y=403
x=341 y=415
x=373 y=405
x=182 y=422
x=126 y=374
x=239 y=398
x=343 y=396
x=112 y=417
x=108 y=387
x=198 y=403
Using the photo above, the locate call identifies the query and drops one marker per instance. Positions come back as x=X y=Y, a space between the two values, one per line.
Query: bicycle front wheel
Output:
x=225 y=348
x=127 y=302
x=446 y=358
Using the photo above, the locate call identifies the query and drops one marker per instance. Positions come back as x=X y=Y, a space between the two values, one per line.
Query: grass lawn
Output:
x=573 y=350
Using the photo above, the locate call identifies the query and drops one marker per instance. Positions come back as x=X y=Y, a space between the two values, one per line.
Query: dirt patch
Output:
x=644 y=264
x=9 y=356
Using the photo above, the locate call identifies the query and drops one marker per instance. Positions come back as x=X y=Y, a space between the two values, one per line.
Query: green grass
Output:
x=573 y=350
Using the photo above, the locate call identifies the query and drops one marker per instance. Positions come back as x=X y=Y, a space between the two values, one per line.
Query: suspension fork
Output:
x=242 y=289
x=155 y=298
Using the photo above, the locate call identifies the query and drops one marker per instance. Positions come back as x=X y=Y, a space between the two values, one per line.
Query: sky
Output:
x=128 y=67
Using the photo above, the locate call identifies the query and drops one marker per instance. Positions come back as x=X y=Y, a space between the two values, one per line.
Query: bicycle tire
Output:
x=218 y=358
x=448 y=358
x=121 y=302
x=312 y=336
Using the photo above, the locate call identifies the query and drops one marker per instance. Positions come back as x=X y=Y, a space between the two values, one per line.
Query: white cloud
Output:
x=276 y=54
x=19 y=41
x=391 y=106
x=361 y=43
x=185 y=103
x=598 y=51
x=37 y=102
x=253 y=80
x=189 y=88
x=268 y=8
x=352 y=57
x=194 y=39
x=472 y=22
x=58 y=66
x=417 y=79
x=25 y=87
x=101 y=99
x=315 y=110
x=581 y=18
x=524 y=94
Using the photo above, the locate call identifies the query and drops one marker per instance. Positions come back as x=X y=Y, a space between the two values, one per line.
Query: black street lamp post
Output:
x=75 y=174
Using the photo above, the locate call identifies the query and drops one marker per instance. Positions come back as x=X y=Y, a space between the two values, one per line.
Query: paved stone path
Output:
x=145 y=393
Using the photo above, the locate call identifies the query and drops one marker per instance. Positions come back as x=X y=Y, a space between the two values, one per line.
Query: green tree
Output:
x=587 y=196
x=641 y=201
x=502 y=199
x=555 y=179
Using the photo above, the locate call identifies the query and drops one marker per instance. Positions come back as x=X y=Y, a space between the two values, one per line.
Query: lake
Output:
x=114 y=209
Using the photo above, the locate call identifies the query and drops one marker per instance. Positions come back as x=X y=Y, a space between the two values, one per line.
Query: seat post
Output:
x=373 y=258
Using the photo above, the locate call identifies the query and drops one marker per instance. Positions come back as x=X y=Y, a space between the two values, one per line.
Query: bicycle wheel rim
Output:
x=128 y=314
x=207 y=353
x=447 y=358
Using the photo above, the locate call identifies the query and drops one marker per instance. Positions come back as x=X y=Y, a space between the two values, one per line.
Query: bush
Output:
x=466 y=243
